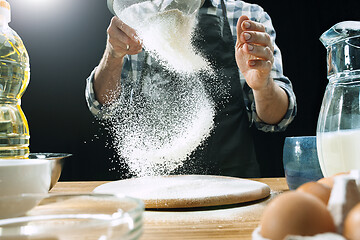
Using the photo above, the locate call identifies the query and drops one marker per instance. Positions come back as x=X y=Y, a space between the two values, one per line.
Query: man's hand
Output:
x=122 y=39
x=254 y=53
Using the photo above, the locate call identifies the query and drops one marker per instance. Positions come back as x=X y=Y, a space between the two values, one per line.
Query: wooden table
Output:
x=225 y=222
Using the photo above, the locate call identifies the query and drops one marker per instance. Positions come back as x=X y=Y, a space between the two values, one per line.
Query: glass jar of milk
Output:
x=338 y=128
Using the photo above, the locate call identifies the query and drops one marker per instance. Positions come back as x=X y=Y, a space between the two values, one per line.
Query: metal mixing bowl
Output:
x=57 y=162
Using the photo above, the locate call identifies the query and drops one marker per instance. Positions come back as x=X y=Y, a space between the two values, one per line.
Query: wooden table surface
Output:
x=224 y=222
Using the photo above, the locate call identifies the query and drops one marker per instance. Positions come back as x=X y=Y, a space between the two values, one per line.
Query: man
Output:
x=242 y=45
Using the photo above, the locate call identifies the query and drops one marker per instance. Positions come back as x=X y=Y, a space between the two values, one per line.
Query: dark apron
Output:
x=229 y=150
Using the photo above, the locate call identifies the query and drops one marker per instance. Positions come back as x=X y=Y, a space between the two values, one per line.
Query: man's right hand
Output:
x=122 y=39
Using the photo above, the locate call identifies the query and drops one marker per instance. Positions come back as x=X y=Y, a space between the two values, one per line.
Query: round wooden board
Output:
x=187 y=191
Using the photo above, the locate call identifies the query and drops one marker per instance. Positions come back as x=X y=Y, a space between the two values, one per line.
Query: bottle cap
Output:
x=5 y=15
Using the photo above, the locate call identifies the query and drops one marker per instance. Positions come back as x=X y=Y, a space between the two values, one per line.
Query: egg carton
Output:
x=344 y=196
x=324 y=236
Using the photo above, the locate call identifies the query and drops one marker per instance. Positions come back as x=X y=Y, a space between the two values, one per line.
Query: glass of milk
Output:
x=338 y=129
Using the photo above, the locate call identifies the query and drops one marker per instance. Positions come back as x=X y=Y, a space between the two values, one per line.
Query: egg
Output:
x=352 y=224
x=329 y=181
x=295 y=213
x=319 y=190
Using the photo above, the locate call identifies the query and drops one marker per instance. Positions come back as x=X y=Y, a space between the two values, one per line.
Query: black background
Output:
x=66 y=38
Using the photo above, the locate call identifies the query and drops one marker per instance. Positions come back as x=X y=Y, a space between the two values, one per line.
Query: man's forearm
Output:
x=107 y=78
x=271 y=103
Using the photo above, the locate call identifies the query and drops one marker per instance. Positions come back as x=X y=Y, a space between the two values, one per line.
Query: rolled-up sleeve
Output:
x=95 y=107
x=285 y=84
x=101 y=111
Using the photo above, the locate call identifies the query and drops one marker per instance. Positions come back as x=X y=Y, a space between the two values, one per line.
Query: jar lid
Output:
x=340 y=31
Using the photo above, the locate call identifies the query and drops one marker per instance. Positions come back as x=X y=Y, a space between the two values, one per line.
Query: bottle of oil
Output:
x=14 y=79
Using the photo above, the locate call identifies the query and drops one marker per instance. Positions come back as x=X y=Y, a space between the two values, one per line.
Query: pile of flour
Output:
x=172 y=115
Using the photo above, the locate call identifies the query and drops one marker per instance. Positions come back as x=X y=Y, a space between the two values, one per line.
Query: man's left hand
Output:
x=254 y=53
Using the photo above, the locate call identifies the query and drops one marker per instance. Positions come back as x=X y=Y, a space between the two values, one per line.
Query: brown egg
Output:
x=319 y=190
x=340 y=173
x=295 y=213
x=352 y=224
x=329 y=181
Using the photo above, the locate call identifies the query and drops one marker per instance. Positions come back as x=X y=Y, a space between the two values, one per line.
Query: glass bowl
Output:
x=77 y=216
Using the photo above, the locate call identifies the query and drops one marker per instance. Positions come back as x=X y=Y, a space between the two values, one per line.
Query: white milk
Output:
x=338 y=151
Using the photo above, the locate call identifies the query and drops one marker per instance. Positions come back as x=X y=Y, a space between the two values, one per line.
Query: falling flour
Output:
x=166 y=35
x=173 y=47
x=161 y=125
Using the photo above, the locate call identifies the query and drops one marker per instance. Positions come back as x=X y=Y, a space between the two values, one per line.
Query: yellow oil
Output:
x=14 y=79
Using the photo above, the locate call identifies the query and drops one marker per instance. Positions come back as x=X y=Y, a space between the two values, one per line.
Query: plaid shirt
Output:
x=235 y=9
